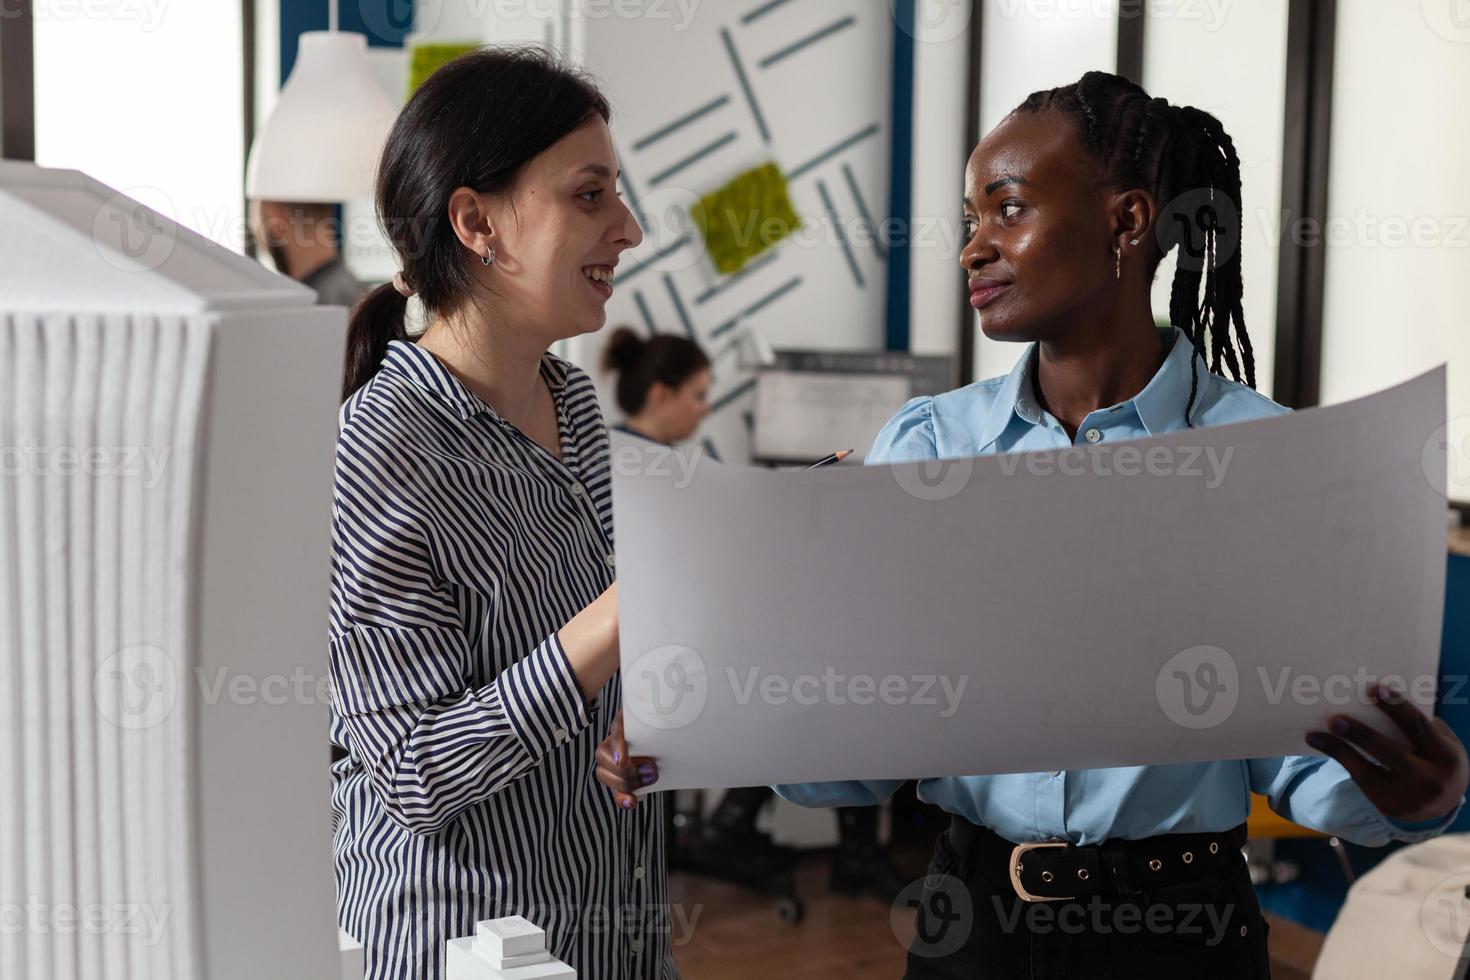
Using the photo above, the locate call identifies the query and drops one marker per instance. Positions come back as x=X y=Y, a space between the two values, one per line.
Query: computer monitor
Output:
x=809 y=404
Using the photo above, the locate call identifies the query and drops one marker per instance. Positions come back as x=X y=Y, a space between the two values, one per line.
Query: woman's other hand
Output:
x=620 y=772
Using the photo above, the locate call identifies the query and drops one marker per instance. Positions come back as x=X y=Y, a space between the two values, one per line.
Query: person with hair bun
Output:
x=474 y=623
x=662 y=384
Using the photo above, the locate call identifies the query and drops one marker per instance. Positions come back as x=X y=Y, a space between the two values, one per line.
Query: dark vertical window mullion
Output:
x=17 y=82
x=1301 y=282
x=247 y=24
x=1130 y=40
x=965 y=348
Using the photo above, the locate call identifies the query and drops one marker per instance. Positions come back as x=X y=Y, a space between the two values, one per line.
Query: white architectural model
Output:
x=167 y=422
x=505 y=949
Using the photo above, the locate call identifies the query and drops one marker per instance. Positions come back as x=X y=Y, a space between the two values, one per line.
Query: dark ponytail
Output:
x=640 y=363
x=376 y=320
x=476 y=122
x=1185 y=159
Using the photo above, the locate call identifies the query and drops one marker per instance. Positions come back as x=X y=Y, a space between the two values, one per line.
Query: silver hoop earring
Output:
x=489 y=257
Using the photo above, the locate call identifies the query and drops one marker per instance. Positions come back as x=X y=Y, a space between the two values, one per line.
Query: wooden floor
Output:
x=737 y=933
x=727 y=933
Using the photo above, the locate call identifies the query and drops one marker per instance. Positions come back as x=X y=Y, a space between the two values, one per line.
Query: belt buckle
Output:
x=1019 y=888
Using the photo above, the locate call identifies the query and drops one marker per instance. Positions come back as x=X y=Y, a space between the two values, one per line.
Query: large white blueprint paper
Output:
x=1210 y=594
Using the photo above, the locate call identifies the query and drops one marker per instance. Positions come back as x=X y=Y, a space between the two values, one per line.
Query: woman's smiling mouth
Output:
x=983 y=291
x=600 y=277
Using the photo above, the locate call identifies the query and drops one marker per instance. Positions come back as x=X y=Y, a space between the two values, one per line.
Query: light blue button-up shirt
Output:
x=1087 y=806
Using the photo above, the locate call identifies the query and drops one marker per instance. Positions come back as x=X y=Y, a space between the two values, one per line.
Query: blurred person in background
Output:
x=302 y=242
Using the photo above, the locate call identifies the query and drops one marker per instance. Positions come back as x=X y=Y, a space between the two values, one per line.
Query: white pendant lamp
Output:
x=322 y=142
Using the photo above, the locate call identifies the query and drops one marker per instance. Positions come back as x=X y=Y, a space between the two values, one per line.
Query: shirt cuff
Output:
x=1424 y=829
x=542 y=700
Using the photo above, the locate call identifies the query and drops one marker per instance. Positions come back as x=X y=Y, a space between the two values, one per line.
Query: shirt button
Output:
x=611 y=559
x=637 y=945
x=561 y=734
x=578 y=489
x=638 y=872
x=1093 y=435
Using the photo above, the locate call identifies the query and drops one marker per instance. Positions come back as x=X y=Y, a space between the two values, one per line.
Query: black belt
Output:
x=1056 y=870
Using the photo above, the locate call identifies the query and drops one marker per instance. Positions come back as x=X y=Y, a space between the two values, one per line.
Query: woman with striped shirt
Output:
x=473 y=622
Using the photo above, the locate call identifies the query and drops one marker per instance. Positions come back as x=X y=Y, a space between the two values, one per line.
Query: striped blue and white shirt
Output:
x=460 y=548
x=1087 y=806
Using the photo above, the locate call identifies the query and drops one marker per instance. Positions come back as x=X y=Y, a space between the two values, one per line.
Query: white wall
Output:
x=1029 y=45
x=659 y=69
x=1193 y=55
x=1398 y=261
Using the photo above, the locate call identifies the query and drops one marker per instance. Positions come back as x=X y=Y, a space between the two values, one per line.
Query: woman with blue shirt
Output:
x=474 y=621
x=1070 y=203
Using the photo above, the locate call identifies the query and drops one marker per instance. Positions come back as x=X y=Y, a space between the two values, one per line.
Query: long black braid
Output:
x=1185 y=159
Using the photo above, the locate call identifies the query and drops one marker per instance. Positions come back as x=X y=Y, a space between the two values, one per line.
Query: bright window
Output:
x=146 y=96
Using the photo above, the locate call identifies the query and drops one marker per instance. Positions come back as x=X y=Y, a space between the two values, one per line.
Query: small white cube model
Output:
x=504 y=949
x=170 y=411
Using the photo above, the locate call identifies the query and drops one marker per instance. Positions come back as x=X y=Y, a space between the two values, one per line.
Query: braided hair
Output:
x=1185 y=159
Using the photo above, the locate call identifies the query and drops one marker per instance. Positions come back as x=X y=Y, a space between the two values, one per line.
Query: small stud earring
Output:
x=1134 y=242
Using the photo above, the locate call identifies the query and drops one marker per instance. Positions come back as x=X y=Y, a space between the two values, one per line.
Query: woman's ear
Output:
x=471 y=215
x=1134 y=213
x=658 y=395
